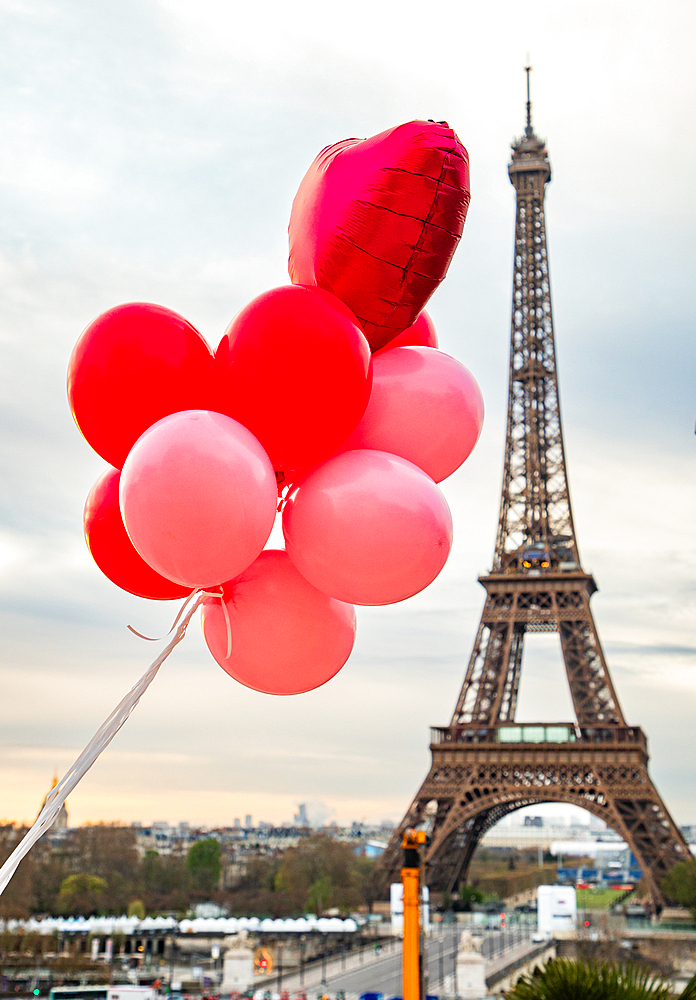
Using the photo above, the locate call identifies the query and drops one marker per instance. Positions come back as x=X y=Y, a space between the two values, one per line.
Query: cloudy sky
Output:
x=150 y=150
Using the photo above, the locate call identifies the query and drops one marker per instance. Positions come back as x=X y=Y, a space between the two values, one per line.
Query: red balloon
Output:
x=133 y=365
x=376 y=221
x=112 y=549
x=368 y=527
x=421 y=334
x=287 y=637
x=295 y=368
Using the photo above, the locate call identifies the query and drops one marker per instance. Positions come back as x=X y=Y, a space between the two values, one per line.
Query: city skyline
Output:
x=151 y=152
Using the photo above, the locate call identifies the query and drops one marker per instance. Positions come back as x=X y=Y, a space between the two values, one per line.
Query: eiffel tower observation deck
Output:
x=484 y=764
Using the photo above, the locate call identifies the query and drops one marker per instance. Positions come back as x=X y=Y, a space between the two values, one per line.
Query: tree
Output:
x=74 y=884
x=255 y=890
x=204 y=863
x=109 y=851
x=680 y=884
x=82 y=894
x=562 y=979
x=17 y=900
x=165 y=882
x=322 y=873
x=468 y=895
x=50 y=868
x=320 y=894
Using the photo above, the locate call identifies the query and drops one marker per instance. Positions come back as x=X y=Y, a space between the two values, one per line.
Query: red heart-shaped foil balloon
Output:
x=376 y=222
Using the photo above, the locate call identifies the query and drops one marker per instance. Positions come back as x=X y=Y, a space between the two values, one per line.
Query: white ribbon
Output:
x=99 y=742
x=228 y=624
x=220 y=596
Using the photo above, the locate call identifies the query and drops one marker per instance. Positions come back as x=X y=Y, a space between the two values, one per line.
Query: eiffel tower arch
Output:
x=484 y=764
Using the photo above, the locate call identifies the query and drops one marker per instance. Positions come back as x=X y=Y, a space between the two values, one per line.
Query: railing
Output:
x=613 y=734
x=536 y=733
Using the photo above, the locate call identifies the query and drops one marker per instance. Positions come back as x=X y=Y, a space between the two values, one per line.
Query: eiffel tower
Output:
x=484 y=764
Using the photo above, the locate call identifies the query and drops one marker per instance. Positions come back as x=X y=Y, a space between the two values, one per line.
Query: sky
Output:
x=150 y=151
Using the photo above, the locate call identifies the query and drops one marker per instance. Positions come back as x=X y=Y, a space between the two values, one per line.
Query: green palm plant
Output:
x=562 y=979
x=689 y=992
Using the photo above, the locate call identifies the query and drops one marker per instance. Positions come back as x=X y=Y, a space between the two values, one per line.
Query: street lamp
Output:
x=172 y=957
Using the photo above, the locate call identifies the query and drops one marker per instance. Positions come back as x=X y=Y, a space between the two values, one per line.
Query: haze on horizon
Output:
x=151 y=150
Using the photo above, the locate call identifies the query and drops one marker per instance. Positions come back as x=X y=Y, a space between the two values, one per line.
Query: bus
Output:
x=105 y=992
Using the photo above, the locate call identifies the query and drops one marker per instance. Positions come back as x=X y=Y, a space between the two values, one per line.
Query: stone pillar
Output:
x=238 y=963
x=471 y=972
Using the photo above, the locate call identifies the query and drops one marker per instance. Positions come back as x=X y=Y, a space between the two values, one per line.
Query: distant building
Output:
x=533 y=821
x=61 y=820
x=374 y=848
x=301 y=819
x=208 y=910
x=247 y=823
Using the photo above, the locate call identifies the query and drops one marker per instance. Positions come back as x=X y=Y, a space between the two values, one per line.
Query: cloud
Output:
x=151 y=152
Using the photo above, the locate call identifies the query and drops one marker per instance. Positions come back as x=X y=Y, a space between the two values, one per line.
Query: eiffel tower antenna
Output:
x=529 y=131
x=485 y=764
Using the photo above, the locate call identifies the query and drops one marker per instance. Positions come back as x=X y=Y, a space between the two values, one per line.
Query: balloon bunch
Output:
x=326 y=399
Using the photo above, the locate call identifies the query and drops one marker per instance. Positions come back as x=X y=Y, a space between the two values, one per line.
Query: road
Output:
x=374 y=971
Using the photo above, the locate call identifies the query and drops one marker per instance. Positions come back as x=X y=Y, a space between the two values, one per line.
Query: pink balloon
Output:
x=287 y=637
x=422 y=333
x=425 y=406
x=368 y=527
x=198 y=497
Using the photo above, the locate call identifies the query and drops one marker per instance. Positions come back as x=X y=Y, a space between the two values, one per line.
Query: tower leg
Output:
x=472 y=786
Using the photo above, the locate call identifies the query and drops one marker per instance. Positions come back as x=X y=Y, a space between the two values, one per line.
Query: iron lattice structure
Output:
x=484 y=766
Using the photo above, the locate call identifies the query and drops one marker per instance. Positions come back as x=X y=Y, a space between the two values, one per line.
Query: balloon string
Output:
x=204 y=593
x=283 y=498
x=150 y=638
x=226 y=613
x=99 y=742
